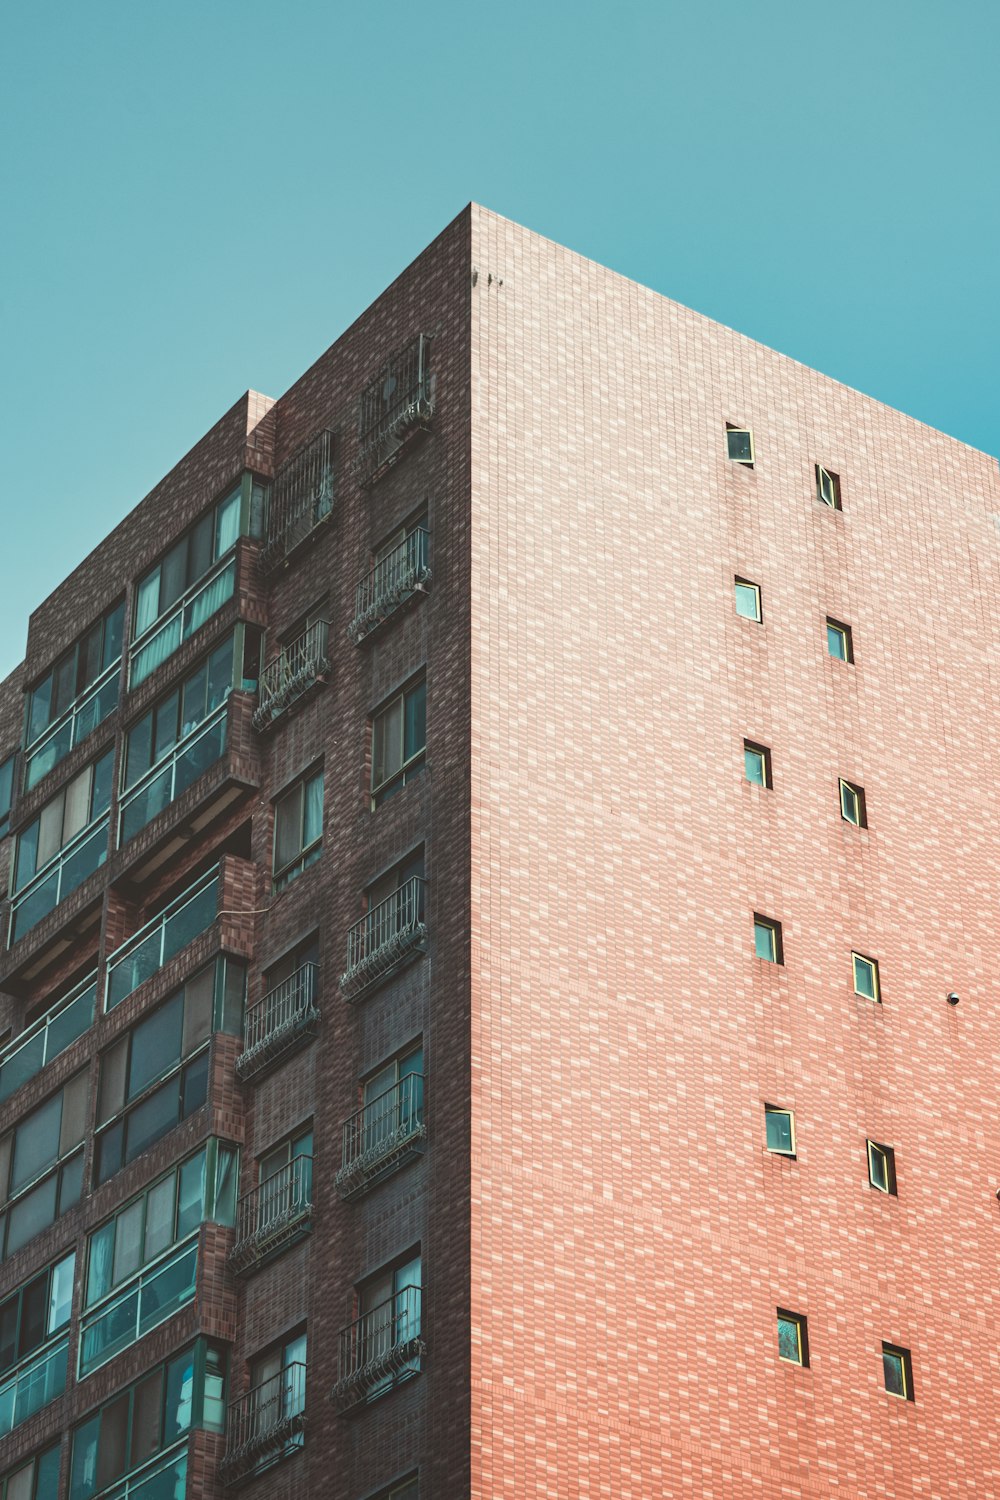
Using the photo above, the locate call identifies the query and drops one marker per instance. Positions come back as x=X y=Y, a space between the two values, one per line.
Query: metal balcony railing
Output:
x=161 y=639
x=380 y=1349
x=146 y=951
x=396 y=404
x=72 y=727
x=301 y=497
x=382 y=1135
x=33 y=1385
x=393 y=580
x=51 y=1034
x=297 y=667
x=274 y=1215
x=265 y=1424
x=286 y=1016
x=162 y=785
x=59 y=878
x=385 y=938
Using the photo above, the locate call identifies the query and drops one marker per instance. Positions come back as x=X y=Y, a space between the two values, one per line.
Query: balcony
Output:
x=161 y=639
x=301 y=499
x=285 y=1019
x=382 y=1136
x=298 y=667
x=388 y=936
x=73 y=727
x=395 y=406
x=33 y=1385
x=265 y=1425
x=273 y=1216
x=167 y=781
x=146 y=951
x=390 y=584
x=129 y=1314
x=51 y=1034
x=81 y=857
x=380 y=1349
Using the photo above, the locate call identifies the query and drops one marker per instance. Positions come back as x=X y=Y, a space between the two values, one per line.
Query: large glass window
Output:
x=37 y=1479
x=161 y=938
x=68 y=1018
x=298 y=828
x=33 y=1343
x=157 y=1073
x=141 y=1263
x=74 y=807
x=399 y=740
x=74 y=697
x=175 y=598
x=41 y=1164
x=131 y=1430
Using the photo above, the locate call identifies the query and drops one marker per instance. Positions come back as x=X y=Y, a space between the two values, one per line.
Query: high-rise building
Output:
x=501 y=931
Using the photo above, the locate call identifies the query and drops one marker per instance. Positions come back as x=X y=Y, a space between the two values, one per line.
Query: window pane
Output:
x=195 y=1089
x=83 y=1472
x=159 y=1217
x=219 y=676
x=147 y=601
x=34 y=1314
x=227 y=523
x=198 y=997
x=739 y=445
x=214 y=1408
x=836 y=643
x=416 y=720
x=779 y=1130
x=50 y=830
x=146 y=1418
x=151 y=1119
x=892 y=1364
x=173 y=575
x=70 y=1182
x=387 y=743
x=287 y=828
x=139 y=750
x=40 y=715
x=226 y=1181
x=128 y=1241
x=788 y=1340
x=100 y=797
x=113 y=627
x=111 y=1095
x=36 y=1143
x=180 y=1383
x=156 y=1045
x=33 y=1213
x=102 y=1246
x=109 y=1151
x=313 y=826
x=754 y=765
x=748 y=601
x=764 y=940
x=8 y=1332
x=61 y=1293
x=165 y=718
x=77 y=810
x=74 y=1113
x=21 y=1486
x=191 y=1197
x=193 y=710
x=111 y=1448
x=864 y=977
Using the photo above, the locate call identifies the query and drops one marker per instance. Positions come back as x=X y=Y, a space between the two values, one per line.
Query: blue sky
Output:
x=199 y=197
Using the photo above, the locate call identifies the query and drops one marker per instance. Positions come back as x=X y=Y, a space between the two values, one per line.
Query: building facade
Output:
x=499 y=931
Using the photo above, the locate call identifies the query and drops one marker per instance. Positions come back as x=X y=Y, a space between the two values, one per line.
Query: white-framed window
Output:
x=881 y=1167
x=793 y=1342
x=739 y=445
x=866 y=977
x=748 y=600
x=827 y=487
x=779 y=1125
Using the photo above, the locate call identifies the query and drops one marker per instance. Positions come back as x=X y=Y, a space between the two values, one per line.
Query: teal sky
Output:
x=200 y=197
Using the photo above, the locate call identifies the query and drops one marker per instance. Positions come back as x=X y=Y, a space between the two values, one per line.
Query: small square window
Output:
x=866 y=981
x=838 y=640
x=852 y=804
x=793 y=1343
x=882 y=1167
x=757 y=763
x=767 y=939
x=780 y=1126
x=739 y=445
x=827 y=487
x=897 y=1371
x=748 y=604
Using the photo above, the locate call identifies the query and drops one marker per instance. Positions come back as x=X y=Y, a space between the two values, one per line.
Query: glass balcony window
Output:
x=166 y=635
x=76 y=695
x=147 y=950
x=51 y=1034
x=41 y=1164
x=33 y=1385
x=155 y=1295
x=401 y=568
x=191 y=758
x=73 y=728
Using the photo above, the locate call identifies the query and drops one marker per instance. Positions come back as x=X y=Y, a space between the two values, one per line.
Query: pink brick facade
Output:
x=604 y=1237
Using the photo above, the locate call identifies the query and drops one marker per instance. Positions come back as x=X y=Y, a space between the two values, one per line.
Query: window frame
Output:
x=72 y=653
x=774 y=1111
x=308 y=853
x=409 y=764
x=186 y=730
x=799 y=1322
x=8 y=772
x=872 y=965
x=845 y=635
x=55 y=1168
x=740 y=582
x=210 y=515
x=853 y=795
x=50 y=1457
x=94 y=790
x=763 y=754
x=762 y=924
x=828 y=488
x=52 y=1334
x=886 y=1157
x=732 y=429
x=902 y=1355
